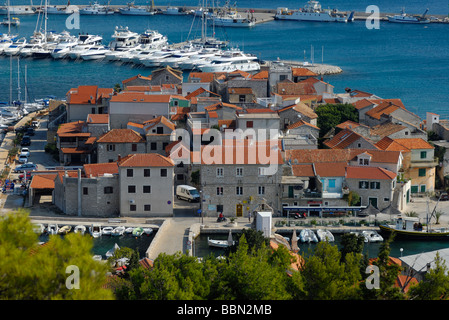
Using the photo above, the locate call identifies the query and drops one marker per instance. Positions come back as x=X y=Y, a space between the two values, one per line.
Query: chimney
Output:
x=119 y=157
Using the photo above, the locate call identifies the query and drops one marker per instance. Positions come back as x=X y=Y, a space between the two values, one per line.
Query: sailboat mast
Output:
x=10 y=79
x=26 y=87
x=18 y=79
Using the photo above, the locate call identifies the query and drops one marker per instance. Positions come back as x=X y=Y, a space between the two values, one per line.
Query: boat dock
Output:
x=266 y=15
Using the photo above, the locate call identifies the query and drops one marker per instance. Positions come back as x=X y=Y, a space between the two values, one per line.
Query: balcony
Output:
x=424 y=163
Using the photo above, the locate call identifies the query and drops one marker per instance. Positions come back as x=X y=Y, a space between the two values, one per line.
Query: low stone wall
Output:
x=153 y=246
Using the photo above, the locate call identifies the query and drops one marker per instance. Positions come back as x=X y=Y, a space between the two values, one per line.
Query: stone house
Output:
x=166 y=75
x=137 y=80
x=86 y=100
x=348 y=139
x=294 y=112
x=146 y=185
x=119 y=142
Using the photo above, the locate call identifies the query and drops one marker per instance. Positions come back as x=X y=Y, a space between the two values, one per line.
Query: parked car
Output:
x=35 y=124
x=30 y=131
x=444 y=196
x=26 y=141
x=23 y=158
x=25 y=151
x=26 y=167
x=188 y=193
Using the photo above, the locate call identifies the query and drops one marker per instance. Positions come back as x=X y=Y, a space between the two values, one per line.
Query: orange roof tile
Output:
x=121 y=136
x=348 y=124
x=141 y=97
x=136 y=77
x=383 y=108
x=99 y=169
x=303 y=170
x=363 y=103
x=161 y=119
x=370 y=173
x=303 y=72
x=219 y=105
x=301 y=123
x=343 y=139
x=77 y=150
x=330 y=169
x=261 y=75
x=43 y=181
x=145 y=160
x=202 y=76
x=71 y=129
x=98 y=118
x=414 y=143
x=241 y=90
x=305 y=156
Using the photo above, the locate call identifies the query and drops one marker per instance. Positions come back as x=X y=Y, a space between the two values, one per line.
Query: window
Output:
x=331 y=183
x=386 y=199
x=242 y=98
x=220 y=172
x=93 y=110
x=363 y=162
x=132 y=207
x=163 y=172
x=422 y=172
x=249 y=124
x=131 y=189
x=110 y=147
x=129 y=172
x=85 y=190
x=261 y=190
x=219 y=191
x=239 y=191
x=146 y=172
x=239 y=172
x=147 y=207
x=374 y=185
x=153 y=146
x=263 y=171
x=423 y=154
x=146 y=189
x=108 y=190
x=363 y=185
x=160 y=130
x=422 y=188
x=134 y=147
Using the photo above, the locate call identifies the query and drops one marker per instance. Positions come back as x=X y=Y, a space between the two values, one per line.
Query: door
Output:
x=290 y=191
x=239 y=211
x=373 y=202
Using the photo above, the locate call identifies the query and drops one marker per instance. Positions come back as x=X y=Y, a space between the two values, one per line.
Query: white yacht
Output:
x=181 y=56
x=137 y=56
x=123 y=38
x=15 y=47
x=230 y=61
x=133 y=10
x=199 y=58
x=94 y=53
x=96 y=9
x=312 y=12
x=157 y=57
x=63 y=48
x=152 y=39
x=5 y=43
x=29 y=48
x=85 y=42
x=119 y=53
x=69 y=9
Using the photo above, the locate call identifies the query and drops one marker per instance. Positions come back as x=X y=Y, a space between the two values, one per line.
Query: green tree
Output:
x=39 y=272
x=330 y=115
x=327 y=278
x=435 y=285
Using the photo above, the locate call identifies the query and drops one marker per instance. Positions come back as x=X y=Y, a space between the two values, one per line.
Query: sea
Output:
x=409 y=62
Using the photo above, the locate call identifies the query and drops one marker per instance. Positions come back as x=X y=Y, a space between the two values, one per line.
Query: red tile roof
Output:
x=72 y=129
x=301 y=123
x=370 y=173
x=87 y=94
x=145 y=160
x=121 y=136
x=202 y=76
x=303 y=170
x=98 y=118
x=136 y=77
x=43 y=181
x=383 y=108
x=303 y=72
x=343 y=139
x=334 y=155
x=220 y=105
x=99 y=169
x=414 y=143
x=330 y=169
x=161 y=119
x=141 y=97
x=348 y=124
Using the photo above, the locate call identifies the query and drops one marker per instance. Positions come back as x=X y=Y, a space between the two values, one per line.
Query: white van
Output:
x=188 y=193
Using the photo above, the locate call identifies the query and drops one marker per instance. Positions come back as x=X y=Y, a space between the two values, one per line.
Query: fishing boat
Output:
x=307 y=235
x=221 y=243
x=228 y=16
x=312 y=11
x=406 y=18
x=13 y=22
x=95 y=231
x=147 y=231
x=16 y=10
x=68 y=9
x=174 y=11
x=325 y=235
x=80 y=229
x=410 y=228
x=118 y=231
x=65 y=229
x=107 y=231
x=137 y=232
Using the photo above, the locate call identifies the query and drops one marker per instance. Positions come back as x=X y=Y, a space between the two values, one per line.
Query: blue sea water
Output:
x=410 y=62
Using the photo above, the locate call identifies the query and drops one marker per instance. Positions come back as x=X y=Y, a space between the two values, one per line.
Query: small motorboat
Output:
x=111 y=252
x=118 y=231
x=107 y=231
x=325 y=235
x=137 y=232
x=129 y=230
x=52 y=229
x=308 y=236
x=147 y=231
x=372 y=236
x=95 y=231
x=39 y=228
x=65 y=230
x=221 y=243
x=80 y=229
x=358 y=234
